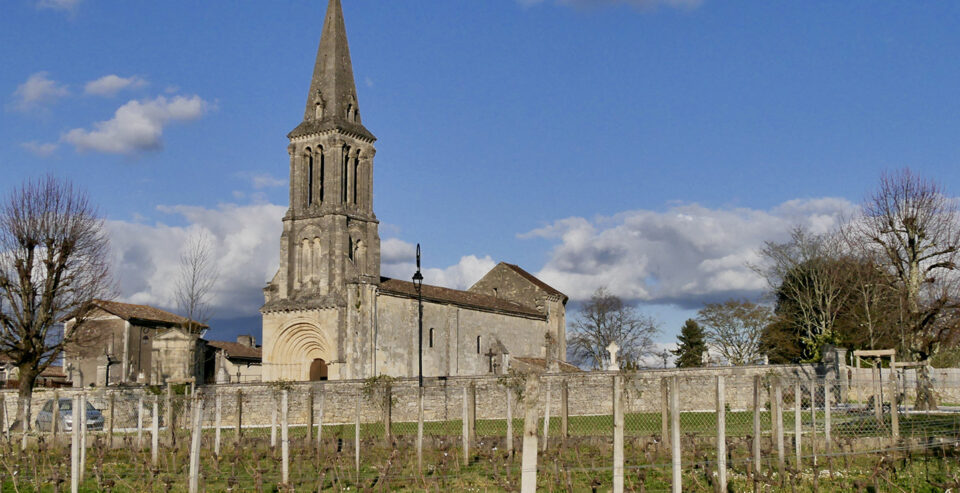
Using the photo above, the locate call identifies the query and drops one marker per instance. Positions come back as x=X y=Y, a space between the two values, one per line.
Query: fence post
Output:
x=509 y=422
x=827 y=404
x=356 y=431
x=171 y=425
x=528 y=464
x=721 y=435
x=110 y=429
x=546 y=419
x=798 y=420
x=310 y=418
x=564 y=412
x=3 y=417
x=195 y=444
x=239 y=416
x=387 y=413
x=465 y=420
x=24 y=426
x=420 y=428
x=83 y=434
x=140 y=422
x=813 y=421
x=320 y=421
x=284 y=436
x=75 y=447
x=675 y=433
x=273 y=425
x=664 y=413
x=617 y=433
x=155 y=436
x=778 y=422
x=756 y=424
x=219 y=418
x=894 y=412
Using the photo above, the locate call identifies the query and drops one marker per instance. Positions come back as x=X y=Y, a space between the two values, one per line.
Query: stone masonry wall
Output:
x=590 y=393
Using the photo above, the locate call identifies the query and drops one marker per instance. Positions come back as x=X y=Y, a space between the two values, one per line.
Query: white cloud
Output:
x=259 y=181
x=398 y=260
x=137 y=125
x=66 y=5
x=245 y=243
x=110 y=85
x=642 y=4
x=40 y=149
x=38 y=91
x=683 y=256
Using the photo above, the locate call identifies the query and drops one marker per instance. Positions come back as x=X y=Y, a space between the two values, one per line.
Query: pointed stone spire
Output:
x=332 y=100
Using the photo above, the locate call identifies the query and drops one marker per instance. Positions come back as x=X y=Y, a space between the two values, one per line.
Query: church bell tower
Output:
x=330 y=230
x=319 y=306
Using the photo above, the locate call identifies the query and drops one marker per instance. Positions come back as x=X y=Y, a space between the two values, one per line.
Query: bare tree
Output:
x=914 y=231
x=605 y=319
x=53 y=262
x=734 y=328
x=197 y=276
x=809 y=279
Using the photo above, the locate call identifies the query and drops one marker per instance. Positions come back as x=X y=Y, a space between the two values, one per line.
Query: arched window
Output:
x=345 y=168
x=321 y=180
x=431 y=337
x=309 y=177
x=478 y=344
x=356 y=176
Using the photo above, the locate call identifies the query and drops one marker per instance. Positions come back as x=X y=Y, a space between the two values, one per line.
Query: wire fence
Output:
x=629 y=431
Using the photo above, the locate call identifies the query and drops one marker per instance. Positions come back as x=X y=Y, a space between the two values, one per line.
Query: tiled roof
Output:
x=129 y=311
x=456 y=297
x=237 y=350
x=536 y=281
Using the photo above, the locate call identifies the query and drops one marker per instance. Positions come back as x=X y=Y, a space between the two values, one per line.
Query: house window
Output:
x=431 y=337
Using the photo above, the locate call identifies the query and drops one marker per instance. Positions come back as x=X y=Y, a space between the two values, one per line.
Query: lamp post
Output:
x=418 y=283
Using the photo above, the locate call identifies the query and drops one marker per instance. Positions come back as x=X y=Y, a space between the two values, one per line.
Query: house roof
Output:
x=235 y=350
x=456 y=297
x=536 y=281
x=129 y=311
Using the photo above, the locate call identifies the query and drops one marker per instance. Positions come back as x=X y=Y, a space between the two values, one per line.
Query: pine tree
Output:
x=691 y=345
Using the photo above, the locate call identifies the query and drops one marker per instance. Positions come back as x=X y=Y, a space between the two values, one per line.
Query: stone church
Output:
x=328 y=312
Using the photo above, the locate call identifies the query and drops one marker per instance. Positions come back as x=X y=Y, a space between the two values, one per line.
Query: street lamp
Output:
x=418 y=283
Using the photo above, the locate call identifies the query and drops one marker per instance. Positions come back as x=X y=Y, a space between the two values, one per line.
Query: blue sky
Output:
x=649 y=146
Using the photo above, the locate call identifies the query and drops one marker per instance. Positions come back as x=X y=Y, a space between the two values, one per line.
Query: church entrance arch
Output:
x=318 y=370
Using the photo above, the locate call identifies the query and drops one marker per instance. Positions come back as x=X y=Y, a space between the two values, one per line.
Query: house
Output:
x=135 y=344
x=232 y=362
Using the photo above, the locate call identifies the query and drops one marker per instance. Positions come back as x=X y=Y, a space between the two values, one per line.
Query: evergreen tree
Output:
x=691 y=345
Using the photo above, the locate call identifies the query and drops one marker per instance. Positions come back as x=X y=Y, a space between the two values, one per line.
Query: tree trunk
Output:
x=28 y=378
x=926 y=396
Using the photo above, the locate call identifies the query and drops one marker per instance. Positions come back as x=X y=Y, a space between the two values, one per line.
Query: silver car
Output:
x=65 y=421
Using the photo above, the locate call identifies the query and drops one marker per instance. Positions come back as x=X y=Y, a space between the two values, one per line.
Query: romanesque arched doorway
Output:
x=318 y=370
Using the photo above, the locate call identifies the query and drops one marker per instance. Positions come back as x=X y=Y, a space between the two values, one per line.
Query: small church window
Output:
x=478 y=344
x=431 y=337
x=345 y=168
x=321 y=175
x=309 y=178
x=356 y=176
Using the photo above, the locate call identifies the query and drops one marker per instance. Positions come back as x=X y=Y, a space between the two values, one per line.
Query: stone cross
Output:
x=612 y=349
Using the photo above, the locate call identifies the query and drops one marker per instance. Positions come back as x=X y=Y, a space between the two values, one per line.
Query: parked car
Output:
x=65 y=421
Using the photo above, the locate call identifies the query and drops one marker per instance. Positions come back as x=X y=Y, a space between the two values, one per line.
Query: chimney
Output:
x=246 y=340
